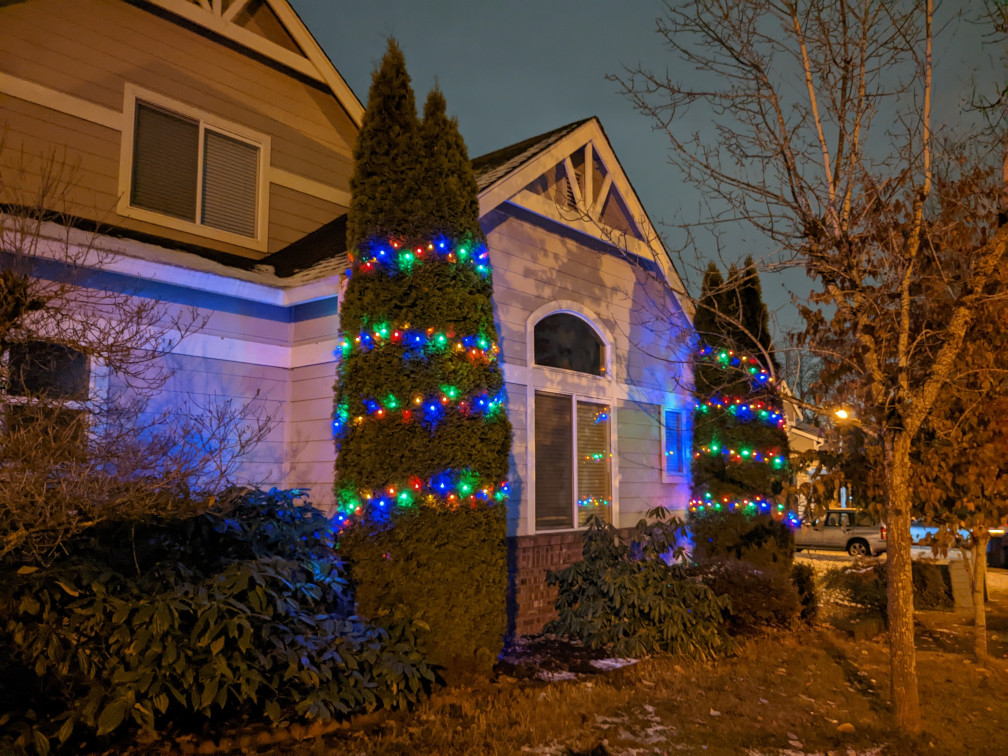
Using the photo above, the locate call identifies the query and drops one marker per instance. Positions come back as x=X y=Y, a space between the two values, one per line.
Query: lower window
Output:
x=573 y=462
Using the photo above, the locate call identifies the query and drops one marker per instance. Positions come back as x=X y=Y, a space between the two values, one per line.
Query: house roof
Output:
x=494 y=165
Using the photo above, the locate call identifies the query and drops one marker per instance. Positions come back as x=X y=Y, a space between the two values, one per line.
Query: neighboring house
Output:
x=803 y=437
x=213 y=142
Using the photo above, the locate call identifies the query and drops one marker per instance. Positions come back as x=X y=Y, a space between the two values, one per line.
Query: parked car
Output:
x=852 y=530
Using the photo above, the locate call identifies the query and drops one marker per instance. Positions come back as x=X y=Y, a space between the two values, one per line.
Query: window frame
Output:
x=97 y=386
x=576 y=386
x=134 y=95
x=574 y=400
x=666 y=476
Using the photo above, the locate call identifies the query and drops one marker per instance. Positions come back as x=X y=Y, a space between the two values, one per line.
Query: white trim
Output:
x=593 y=388
x=61 y=102
x=509 y=186
x=132 y=94
x=308 y=186
x=673 y=477
x=233 y=349
x=133 y=258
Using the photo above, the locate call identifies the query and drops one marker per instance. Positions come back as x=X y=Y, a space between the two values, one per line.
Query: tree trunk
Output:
x=902 y=653
x=980 y=540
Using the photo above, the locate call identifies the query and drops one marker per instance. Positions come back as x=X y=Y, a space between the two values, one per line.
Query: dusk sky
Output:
x=512 y=69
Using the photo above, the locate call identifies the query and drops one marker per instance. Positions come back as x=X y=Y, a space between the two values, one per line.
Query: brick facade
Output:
x=530 y=600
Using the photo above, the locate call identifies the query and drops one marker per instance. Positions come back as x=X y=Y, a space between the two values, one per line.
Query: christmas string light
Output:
x=728 y=358
x=393 y=256
x=429 y=340
x=452 y=488
x=427 y=409
x=744 y=410
x=753 y=505
x=745 y=454
x=594 y=502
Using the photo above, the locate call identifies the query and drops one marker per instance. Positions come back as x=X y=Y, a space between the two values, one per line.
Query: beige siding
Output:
x=517 y=405
x=92 y=50
x=536 y=265
x=201 y=382
x=309 y=441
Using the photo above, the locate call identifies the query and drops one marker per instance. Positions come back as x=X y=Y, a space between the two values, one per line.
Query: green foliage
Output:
x=449 y=177
x=759 y=540
x=445 y=569
x=758 y=598
x=803 y=577
x=384 y=197
x=176 y=623
x=865 y=586
x=731 y=316
x=438 y=560
x=624 y=596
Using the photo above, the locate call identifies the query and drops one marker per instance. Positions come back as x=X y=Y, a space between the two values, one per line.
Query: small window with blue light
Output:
x=673 y=452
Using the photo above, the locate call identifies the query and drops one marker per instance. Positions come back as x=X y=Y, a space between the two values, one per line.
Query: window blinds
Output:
x=165 y=163
x=230 y=169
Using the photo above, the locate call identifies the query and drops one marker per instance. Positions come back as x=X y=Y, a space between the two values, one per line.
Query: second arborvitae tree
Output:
x=740 y=445
x=420 y=425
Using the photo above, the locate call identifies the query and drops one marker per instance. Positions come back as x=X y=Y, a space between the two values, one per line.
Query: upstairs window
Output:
x=566 y=341
x=194 y=173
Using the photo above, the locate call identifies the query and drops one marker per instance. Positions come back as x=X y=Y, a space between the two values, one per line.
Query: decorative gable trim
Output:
x=569 y=197
x=308 y=59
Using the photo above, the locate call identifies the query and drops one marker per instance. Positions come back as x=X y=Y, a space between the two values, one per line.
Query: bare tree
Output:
x=84 y=434
x=822 y=139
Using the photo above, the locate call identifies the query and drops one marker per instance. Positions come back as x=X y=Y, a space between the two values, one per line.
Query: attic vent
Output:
x=568 y=197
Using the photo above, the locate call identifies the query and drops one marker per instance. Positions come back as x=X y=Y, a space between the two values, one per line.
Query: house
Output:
x=212 y=142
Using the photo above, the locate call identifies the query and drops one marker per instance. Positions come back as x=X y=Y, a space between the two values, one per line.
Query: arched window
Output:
x=573 y=420
x=565 y=341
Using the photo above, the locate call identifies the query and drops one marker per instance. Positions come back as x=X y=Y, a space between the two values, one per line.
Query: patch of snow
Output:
x=614 y=663
x=557 y=676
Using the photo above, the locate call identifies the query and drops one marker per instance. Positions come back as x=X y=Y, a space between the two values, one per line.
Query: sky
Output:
x=512 y=69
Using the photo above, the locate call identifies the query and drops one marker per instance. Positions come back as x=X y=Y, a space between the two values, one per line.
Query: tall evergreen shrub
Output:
x=421 y=430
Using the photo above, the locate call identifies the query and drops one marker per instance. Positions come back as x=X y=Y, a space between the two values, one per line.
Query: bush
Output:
x=196 y=620
x=445 y=569
x=932 y=584
x=757 y=598
x=756 y=539
x=625 y=596
x=865 y=586
x=803 y=577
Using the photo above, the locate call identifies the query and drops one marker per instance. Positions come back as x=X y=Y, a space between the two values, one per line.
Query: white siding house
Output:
x=212 y=143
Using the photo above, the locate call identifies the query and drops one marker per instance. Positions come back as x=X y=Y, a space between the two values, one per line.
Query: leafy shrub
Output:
x=861 y=585
x=194 y=620
x=803 y=577
x=865 y=586
x=626 y=597
x=932 y=584
x=757 y=598
x=446 y=569
x=757 y=539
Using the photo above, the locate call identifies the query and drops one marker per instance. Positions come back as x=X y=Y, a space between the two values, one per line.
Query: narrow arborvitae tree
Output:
x=739 y=440
x=421 y=431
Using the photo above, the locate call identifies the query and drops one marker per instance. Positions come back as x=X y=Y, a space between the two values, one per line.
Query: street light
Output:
x=841 y=413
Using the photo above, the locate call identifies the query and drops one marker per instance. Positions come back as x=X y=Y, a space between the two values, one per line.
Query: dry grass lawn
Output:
x=810 y=691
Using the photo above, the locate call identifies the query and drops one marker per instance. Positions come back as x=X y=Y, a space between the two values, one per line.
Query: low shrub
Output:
x=865 y=585
x=625 y=596
x=758 y=598
x=932 y=584
x=446 y=569
x=803 y=577
x=148 y=625
x=759 y=540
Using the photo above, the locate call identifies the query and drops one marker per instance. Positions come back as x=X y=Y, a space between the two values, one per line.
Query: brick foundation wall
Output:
x=529 y=557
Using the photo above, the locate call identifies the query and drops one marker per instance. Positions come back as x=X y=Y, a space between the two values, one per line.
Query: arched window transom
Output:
x=565 y=341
